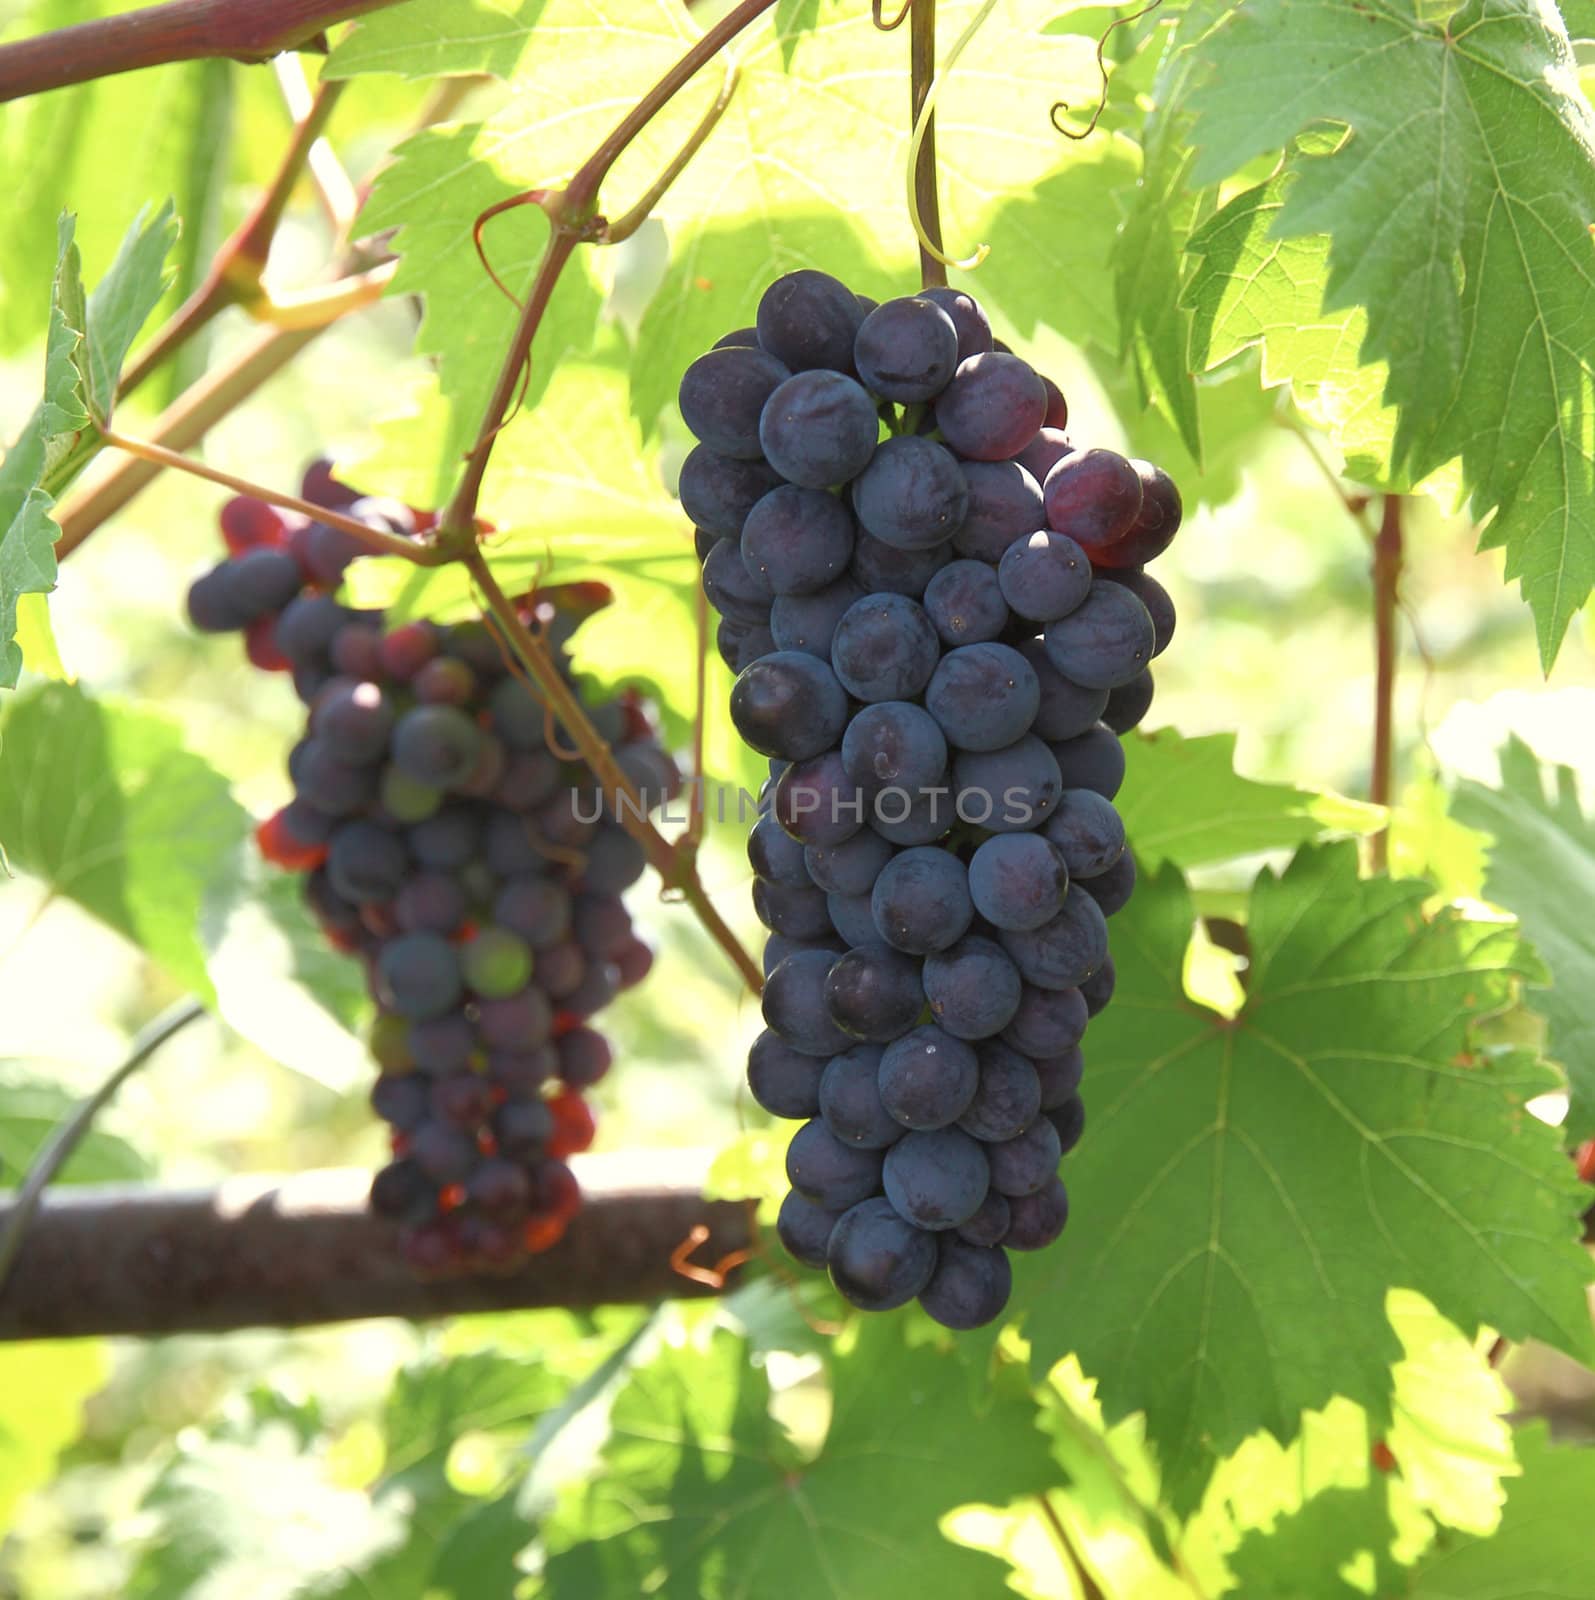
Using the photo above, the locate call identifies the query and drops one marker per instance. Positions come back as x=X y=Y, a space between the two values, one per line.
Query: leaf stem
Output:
x=383 y=543
x=569 y=219
x=70 y=1134
x=1387 y=562
x=926 y=201
x=235 y=274
x=339 y=197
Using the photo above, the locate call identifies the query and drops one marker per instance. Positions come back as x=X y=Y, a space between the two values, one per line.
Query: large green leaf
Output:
x=780 y=183
x=34 y=1109
x=703 y=1497
x=1542 y=1550
x=1458 y=207
x=1542 y=868
x=1250 y=1188
x=1251 y=287
x=87 y=343
x=1184 y=802
x=105 y=804
x=431 y=194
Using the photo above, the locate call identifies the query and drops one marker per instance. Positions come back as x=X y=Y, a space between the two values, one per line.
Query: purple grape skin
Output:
x=818 y=429
x=882 y=568
x=1009 y=790
x=1105 y=641
x=808 y=622
x=809 y=319
x=1026 y=1163
x=1129 y=703
x=928 y=1078
x=794 y=1005
x=1091 y=760
x=817 y=803
x=1044 y=576
x=717 y=492
x=804 y=1229
x=877 y=1260
x=850 y=1100
x=1008 y=1096
x=992 y=408
x=1155 y=524
x=936 y=1180
x=973 y=988
x=1093 y=496
x=1048 y=1023
x=723 y=394
x=873 y=992
x=1086 y=831
x=1004 y=505
x=831 y=1174
x=1062 y=953
x=969 y=321
x=1018 y=880
x=989 y=1224
x=789 y=705
x=1112 y=889
x=1035 y=1220
x=970 y=1286
x=912 y=494
x=784 y=1081
x=1067 y=709
x=965 y=603
x=906 y=350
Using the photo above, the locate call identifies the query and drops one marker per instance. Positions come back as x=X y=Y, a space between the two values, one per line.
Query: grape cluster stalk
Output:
x=453 y=842
x=936 y=604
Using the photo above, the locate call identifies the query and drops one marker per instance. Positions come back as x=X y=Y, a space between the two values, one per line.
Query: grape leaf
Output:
x=779 y=184
x=1251 y=287
x=431 y=194
x=1301 y=1520
x=87 y=343
x=34 y=1109
x=703 y=1497
x=1541 y=1549
x=105 y=804
x=1251 y=1187
x=1542 y=869
x=1458 y=207
x=1184 y=802
x=1154 y=327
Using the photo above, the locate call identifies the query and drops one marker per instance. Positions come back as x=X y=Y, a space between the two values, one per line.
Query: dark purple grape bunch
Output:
x=454 y=842
x=936 y=605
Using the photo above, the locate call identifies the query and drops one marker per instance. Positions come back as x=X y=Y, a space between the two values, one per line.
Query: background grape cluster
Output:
x=937 y=609
x=453 y=841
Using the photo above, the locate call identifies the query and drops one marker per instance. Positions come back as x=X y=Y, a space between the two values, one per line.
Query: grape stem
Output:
x=180 y=427
x=1387 y=562
x=676 y=863
x=71 y=1133
x=923 y=115
x=184 y=30
x=335 y=188
x=927 y=204
x=235 y=276
x=571 y=214
x=376 y=539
